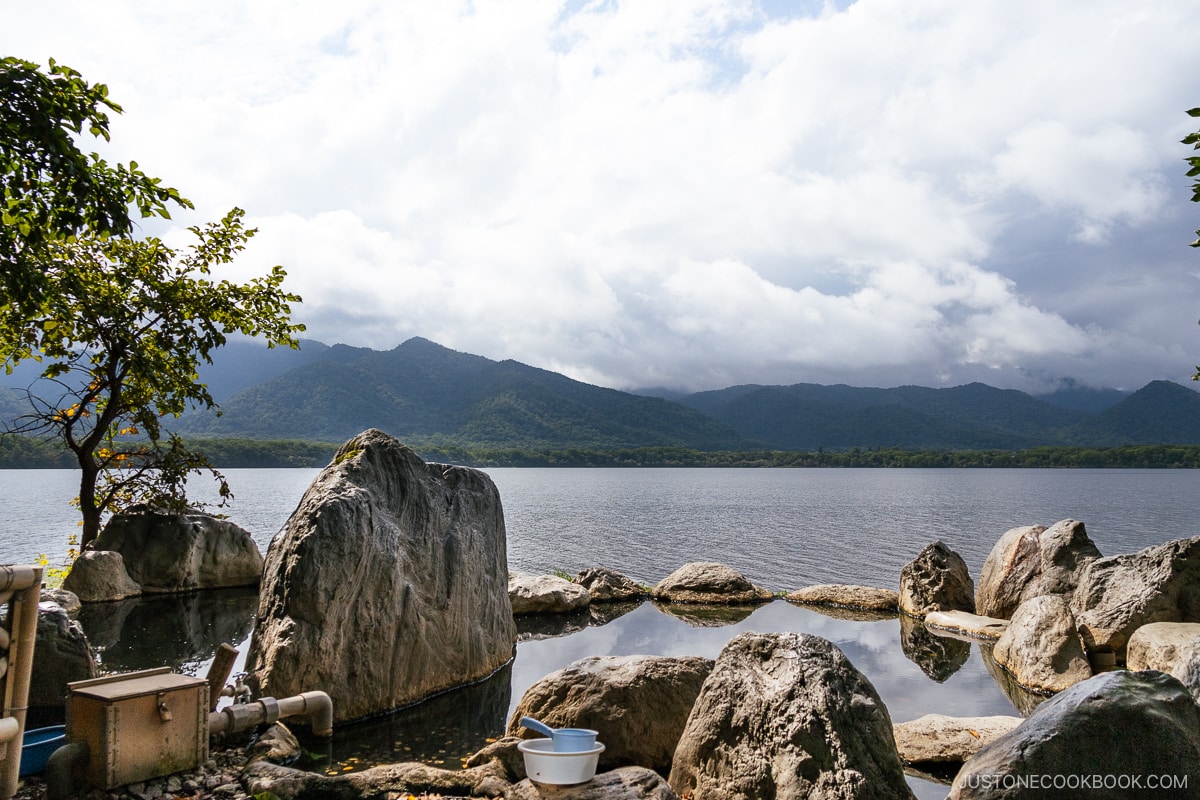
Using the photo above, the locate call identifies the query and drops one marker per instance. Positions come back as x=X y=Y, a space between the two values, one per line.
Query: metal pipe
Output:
x=26 y=581
x=62 y=767
x=236 y=718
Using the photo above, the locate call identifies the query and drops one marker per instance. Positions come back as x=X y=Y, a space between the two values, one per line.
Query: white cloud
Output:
x=642 y=193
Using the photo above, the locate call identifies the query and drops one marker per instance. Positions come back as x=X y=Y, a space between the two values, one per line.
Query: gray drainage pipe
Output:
x=69 y=760
x=240 y=717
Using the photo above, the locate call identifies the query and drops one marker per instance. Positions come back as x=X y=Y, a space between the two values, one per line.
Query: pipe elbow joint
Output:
x=319 y=707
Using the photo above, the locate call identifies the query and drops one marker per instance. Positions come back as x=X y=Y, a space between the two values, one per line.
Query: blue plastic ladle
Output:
x=566 y=740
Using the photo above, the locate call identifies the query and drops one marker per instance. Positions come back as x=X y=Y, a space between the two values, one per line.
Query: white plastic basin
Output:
x=544 y=765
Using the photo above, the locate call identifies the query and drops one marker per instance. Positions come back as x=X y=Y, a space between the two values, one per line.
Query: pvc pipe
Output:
x=23 y=619
x=61 y=768
x=8 y=729
x=19 y=577
x=236 y=718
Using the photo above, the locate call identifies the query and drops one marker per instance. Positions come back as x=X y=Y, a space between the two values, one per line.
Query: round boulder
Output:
x=709 y=583
x=545 y=594
x=99 y=576
x=1041 y=647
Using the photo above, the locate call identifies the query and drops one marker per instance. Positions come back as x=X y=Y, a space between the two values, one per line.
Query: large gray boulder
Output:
x=708 y=582
x=1124 y=733
x=389 y=583
x=638 y=705
x=936 y=580
x=1032 y=561
x=168 y=552
x=99 y=576
x=1041 y=647
x=61 y=654
x=786 y=715
x=545 y=594
x=1119 y=594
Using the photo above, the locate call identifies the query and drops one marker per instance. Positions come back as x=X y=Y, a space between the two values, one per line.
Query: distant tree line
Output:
x=21 y=452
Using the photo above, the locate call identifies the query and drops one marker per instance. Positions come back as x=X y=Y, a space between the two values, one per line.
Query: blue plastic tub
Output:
x=37 y=746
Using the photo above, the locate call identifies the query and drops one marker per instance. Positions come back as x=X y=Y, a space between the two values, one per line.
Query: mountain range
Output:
x=427 y=394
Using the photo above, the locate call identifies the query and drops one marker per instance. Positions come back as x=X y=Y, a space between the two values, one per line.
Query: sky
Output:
x=685 y=194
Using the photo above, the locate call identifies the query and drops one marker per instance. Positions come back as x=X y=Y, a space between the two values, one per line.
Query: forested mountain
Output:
x=421 y=390
x=424 y=393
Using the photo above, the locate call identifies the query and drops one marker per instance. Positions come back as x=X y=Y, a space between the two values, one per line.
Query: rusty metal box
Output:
x=139 y=725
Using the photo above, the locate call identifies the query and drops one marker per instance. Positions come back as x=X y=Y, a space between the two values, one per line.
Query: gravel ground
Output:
x=218 y=779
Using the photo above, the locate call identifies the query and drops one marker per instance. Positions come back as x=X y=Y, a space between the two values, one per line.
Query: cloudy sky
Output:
x=686 y=193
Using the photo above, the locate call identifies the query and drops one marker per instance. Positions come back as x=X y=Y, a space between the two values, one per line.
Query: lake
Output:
x=783 y=528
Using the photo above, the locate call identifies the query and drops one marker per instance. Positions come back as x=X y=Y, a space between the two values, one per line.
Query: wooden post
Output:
x=218 y=673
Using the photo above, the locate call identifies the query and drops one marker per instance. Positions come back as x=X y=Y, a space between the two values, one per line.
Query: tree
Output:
x=122 y=326
x=1194 y=162
x=52 y=190
x=1194 y=172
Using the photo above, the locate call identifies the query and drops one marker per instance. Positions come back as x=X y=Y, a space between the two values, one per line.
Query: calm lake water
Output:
x=783 y=528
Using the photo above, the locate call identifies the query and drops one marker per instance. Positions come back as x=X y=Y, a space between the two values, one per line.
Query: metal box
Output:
x=139 y=725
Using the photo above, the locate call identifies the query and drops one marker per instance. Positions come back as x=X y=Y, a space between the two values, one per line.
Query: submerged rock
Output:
x=936 y=580
x=708 y=583
x=846 y=596
x=973 y=625
x=389 y=583
x=786 y=715
x=938 y=739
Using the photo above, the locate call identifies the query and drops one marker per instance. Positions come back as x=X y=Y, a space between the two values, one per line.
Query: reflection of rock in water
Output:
x=848 y=614
x=1022 y=699
x=604 y=613
x=441 y=731
x=181 y=631
x=701 y=616
x=550 y=626
x=938 y=657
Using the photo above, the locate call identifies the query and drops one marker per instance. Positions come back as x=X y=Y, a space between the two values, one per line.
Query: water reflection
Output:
x=181 y=631
x=850 y=614
x=705 y=616
x=1022 y=699
x=441 y=731
x=939 y=657
x=914 y=671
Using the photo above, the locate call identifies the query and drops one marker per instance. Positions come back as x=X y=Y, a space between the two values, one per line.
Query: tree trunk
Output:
x=87 y=502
